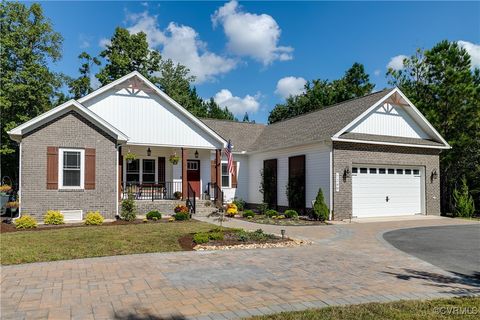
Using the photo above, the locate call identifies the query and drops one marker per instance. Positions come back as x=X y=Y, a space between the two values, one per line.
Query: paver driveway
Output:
x=346 y=264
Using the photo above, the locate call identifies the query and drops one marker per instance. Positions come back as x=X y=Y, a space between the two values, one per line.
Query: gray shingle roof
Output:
x=311 y=127
x=314 y=126
x=242 y=134
x=380 y=138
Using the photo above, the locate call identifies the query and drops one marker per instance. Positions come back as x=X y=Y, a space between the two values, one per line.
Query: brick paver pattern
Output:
x=347 y=264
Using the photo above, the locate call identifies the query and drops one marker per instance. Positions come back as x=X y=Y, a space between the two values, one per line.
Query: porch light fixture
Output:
x=149 y=152
x=196 y=154
x=434 y=174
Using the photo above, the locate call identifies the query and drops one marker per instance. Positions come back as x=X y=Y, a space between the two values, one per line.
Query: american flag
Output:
x=228 y=153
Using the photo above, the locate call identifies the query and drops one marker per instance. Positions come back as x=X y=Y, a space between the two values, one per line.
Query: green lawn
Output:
x=455 y=308
x=94 y=241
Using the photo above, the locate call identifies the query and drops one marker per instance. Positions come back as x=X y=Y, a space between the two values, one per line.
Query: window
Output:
x=363 y=170
x=399 y=171
x=133 y=171
x=192 y=165
x=148 y=172
x=381 y=170
x=416 y=172
x=354 y=170
x=408 y=171
x=391 y=171
x=71 y=168
x=373 y=170
x=225 y=176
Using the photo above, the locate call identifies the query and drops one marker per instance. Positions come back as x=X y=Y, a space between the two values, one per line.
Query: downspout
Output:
x=331 y=183
x=116 y=180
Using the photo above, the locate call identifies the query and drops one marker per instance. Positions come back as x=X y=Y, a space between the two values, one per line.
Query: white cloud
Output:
x=237 y=105
x=84 y=41
x=473 y=50
x=94 y=82
x=290 y=86
x=249 y=34
x=104 y=42
x=181 y=44
x=377 y=72
x=396 y=63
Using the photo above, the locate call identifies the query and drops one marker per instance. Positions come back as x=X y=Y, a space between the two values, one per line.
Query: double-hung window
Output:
x=225 y=176
x=148 y=171
x=71 y=168
x=133 y=171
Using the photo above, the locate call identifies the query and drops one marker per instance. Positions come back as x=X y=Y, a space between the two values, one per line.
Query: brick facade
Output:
x=344 y=154
x=68 y=131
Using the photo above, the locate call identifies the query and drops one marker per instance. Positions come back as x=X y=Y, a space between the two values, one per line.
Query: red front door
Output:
x=193 y=175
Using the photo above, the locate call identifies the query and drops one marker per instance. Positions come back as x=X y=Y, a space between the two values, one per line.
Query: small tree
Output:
x=320 y=209
x=464 y=205
x=129 y=211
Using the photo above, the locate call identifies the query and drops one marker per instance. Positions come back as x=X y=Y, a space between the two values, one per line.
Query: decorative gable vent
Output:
x=72 y=215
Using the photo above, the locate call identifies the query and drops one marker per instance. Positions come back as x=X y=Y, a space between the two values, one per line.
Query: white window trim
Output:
x=60 y=169
x=229 y=176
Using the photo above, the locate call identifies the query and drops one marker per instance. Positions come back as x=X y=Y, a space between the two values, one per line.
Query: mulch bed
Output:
x=187 y=243
x=10 y=227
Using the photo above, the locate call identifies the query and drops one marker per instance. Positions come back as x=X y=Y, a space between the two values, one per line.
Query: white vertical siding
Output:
x=148 y=119
x=390 y=120
x=317 y=167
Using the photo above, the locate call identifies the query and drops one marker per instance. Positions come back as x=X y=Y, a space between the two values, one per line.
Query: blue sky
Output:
x=241 y=51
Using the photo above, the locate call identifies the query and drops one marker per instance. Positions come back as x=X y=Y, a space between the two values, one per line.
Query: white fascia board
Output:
x=24 y=128
x=412 y=106
x=385 y=97
x=390 y=143
x=162 y=95
x=134 y=143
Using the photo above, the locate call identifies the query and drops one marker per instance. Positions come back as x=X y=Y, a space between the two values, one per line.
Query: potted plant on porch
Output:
x=130 y=157
x=174 y=159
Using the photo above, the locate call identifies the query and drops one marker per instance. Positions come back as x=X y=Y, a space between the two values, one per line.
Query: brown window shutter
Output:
x=52 y=168
x=213 y=174
x=89 y=169
x=234 y=175
x=161 y=169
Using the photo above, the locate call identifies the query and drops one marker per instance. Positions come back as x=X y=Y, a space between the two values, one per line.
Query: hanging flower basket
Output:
x=130 y=157
x=174 y=159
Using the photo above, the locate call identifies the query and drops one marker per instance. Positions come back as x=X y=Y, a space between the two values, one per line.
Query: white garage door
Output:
x=380 y=191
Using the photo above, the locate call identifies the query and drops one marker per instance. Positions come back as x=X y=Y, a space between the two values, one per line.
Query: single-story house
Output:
x=372 y=156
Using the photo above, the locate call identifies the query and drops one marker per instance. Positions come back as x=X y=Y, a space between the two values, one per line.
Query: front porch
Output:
x=153 y=176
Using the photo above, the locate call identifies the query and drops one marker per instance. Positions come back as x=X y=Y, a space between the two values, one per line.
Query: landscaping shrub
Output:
x=129 y=210
x=180 y=209
x=177 y=195
x=464 y=205
x=262 y=208
x=257 y=235
x=25 y=222
x=291 y=214
x=248 y=213
x=94 y=218
x=181 y=216
x=232 y=209
x=201 y=237
x=271 y=213
x=240 y=203
x=53 y=217
x=154 y=214
x=215 y=235
x=320 y=209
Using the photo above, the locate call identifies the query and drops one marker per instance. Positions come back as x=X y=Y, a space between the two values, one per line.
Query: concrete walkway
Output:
x=347 y=264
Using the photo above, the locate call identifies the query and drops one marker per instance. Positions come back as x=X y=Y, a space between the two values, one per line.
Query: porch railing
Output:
x=215 y=192
x=191 y=201
x=153 y=191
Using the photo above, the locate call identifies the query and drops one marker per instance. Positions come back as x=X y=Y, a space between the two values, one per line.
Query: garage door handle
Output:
x=386 y=199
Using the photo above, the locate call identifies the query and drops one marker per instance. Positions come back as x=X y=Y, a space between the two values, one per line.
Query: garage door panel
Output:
x=370 y=191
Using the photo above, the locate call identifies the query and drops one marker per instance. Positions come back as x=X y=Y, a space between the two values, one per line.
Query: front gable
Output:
x=149 y=116
x=389 y=119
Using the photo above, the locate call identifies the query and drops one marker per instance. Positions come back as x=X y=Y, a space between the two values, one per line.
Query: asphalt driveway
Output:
x=452 y=248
